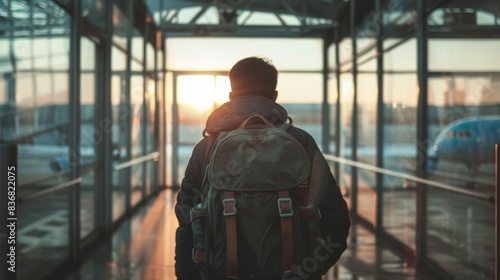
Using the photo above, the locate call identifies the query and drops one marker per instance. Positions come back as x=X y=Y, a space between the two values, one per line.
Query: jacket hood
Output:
x=232 y=114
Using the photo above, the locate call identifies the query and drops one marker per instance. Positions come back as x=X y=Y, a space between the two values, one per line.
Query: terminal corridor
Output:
x=102 y=103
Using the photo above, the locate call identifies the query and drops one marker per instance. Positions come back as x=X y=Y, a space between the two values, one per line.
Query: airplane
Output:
x=470 y=141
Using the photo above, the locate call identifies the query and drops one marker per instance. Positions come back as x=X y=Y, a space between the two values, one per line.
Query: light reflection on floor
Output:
x=143 y=248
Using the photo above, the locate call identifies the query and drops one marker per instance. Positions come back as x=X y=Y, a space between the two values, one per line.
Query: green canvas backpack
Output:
x=253 y=221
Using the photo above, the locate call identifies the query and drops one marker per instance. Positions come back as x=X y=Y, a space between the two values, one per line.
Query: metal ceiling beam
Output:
x=199 y=14
x=245 y=31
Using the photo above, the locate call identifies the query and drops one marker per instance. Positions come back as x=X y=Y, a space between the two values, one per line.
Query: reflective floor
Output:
x=143 y=248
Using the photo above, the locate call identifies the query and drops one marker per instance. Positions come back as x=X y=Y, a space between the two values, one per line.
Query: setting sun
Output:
x=197 y=91
x=203 y=92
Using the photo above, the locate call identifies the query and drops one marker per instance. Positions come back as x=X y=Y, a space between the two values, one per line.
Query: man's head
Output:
x=254 y=76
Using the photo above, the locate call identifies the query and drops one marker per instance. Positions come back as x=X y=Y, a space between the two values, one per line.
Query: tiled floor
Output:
x=143 y=248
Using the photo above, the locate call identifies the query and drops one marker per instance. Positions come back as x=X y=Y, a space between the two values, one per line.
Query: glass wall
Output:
x=61 y=130
x=301 y=94
x=366 y=106
x=121 y=113
x=90 y=137
x=463 y=127
x=460 y=87
x=344 y=177
x=34 y=100
x=137 y=106
x=400 y=143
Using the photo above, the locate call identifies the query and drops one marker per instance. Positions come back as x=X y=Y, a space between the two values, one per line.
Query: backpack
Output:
x=253 y=220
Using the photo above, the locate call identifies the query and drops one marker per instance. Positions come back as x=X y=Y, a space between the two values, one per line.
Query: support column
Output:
x=497 y=212
x=105 y=150
x=325 y=109
x=422 y=137
x=175 y=135
x=74 y=131
x=379 y=224
x=354 y=127
x=127 y=122
x=337 y=105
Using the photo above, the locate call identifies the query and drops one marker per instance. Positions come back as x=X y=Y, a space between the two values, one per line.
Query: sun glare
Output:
x=196 y=91
x=202 y=92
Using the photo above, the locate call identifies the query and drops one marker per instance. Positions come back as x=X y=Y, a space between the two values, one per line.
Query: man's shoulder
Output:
x=202 y=147
x=301 y=134
x=304 y=138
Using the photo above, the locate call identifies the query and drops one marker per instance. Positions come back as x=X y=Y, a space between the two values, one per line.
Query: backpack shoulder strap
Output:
x=206 y=159
x=286 y=126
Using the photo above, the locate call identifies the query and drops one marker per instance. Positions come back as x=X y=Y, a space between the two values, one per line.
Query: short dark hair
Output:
x=255 y=76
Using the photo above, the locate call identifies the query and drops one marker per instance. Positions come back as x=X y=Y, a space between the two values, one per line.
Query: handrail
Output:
x=408 y=177
x=84 y=169
x=135 y=161
x=497 y=212
x=50 y=190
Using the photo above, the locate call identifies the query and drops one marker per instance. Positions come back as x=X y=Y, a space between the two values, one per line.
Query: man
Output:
x=253 y=84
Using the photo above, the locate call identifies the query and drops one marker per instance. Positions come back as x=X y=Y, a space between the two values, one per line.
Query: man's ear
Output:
x=275 y=95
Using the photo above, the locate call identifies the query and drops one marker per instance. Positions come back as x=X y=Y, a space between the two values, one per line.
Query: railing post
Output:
x=497 y=211
x=8 y=212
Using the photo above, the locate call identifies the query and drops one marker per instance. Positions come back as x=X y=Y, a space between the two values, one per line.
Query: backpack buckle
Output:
x=285 y=207
x=229 y=206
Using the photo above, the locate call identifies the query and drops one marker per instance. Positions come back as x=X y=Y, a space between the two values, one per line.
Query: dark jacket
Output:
x=335 y=221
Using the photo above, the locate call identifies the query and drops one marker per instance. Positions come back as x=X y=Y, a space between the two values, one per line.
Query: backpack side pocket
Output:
x=197 y=216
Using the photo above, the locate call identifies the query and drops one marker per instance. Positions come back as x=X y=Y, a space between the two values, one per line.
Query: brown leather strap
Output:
x=310 y=212
x=286 y=212
x=229 y=204
x=199 y=256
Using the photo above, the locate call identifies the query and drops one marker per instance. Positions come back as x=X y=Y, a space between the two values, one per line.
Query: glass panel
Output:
x=345 y=54
x=461 y=234
x=464 y=125
x=399 y=133
x=399 y=209
x=88 y=211
x=42 y=234
x=137 y=52
x=332 y=101
x=366 y=38
x=196 y=96
x=119 y=28
x=464 y=54
x=118 y=194
x=407 y=49
x=137 y=107
x=151 y=133
x=169 y=89
x=400 y=95
x=366 y=149
x=345 y=130
x=94 y=10
x=332 y=63
x=191 y=53
x=469 y=14
x=302 y=95
x=90 y=137
x=121 y=112
x=399 y=17
x=136 y=183
x=162 y=123
x=34 y=97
